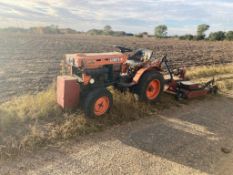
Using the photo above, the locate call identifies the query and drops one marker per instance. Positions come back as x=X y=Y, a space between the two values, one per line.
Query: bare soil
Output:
x=29 y=63
x=181 y=140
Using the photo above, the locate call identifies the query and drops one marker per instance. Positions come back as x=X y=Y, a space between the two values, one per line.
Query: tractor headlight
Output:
x=92 y=81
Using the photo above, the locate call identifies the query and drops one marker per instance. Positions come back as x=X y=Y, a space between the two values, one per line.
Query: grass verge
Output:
x=208 y=71
x=223 y=75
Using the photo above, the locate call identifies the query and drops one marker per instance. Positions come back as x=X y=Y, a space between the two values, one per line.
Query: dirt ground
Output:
x=29 y=63
x=190 y=139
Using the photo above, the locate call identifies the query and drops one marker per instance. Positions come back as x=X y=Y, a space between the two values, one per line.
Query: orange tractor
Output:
x=92 y=73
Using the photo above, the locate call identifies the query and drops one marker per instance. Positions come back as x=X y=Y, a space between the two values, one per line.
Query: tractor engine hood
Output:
x=95 y=60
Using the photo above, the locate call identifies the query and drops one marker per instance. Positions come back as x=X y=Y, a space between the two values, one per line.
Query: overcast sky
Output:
x=181 y=16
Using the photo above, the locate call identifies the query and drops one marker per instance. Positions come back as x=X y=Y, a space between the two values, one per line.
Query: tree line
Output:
x=107 y=30
x=161 y=32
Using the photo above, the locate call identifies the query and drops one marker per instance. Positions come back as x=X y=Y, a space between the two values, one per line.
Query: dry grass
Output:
x=226 y=85
x=223 y=75
x=207 y=71
x=31 y=121
x=19 y=119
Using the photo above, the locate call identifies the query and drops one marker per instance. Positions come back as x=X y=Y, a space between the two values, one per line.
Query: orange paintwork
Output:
x=153 y=65
x=153 y=89
x=138 y=75
x=101 y=106
x=95 y=60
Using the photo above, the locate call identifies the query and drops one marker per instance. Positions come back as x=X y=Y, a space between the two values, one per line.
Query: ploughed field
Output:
x=29 y=63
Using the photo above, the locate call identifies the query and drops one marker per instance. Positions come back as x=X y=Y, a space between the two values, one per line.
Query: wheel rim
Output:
x=101 y=106
x=153 y=89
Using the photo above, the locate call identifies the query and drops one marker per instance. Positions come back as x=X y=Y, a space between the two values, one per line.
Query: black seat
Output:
x=139 y=57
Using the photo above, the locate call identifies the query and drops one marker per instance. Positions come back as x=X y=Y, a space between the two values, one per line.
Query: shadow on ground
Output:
x=192 y=136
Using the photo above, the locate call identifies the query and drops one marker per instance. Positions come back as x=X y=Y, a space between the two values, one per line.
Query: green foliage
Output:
x=186 y=37
x=161 y=31
x=52 y=29
x=95 y=32
x=217 y=36
x=201 y=29
x=229 y=35
x=199 y=37
x=107 y=30
x=129 y=34
x=118 y=33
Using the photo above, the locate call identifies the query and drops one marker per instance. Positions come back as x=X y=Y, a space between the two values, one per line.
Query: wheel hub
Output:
x=101 y=106
x=153 y=89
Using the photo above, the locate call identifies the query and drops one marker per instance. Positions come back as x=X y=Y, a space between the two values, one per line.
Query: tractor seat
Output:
x=140 y=56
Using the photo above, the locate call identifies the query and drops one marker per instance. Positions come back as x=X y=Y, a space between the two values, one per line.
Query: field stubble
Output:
x=29 y=63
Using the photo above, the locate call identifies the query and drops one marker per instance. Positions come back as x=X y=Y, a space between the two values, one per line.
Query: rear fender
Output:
x=141 y=71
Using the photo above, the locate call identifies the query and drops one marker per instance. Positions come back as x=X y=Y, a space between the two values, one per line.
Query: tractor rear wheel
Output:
x=98 y=102
x=150 y=86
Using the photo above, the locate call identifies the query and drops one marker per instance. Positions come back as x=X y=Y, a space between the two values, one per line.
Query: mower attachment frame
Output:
x=182 y=88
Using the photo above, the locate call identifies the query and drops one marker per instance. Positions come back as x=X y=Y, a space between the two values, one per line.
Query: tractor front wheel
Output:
x=150 y=86
x=98 y=103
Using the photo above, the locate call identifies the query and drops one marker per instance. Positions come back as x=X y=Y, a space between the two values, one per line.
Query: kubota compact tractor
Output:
x=92 y=73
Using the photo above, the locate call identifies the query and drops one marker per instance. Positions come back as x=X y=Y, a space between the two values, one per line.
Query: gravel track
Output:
x=180 y=140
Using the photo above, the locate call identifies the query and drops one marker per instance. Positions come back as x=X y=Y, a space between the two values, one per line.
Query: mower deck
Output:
x=181 y=87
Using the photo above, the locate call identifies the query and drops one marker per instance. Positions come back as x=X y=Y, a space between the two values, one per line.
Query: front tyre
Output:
x=98 y=103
